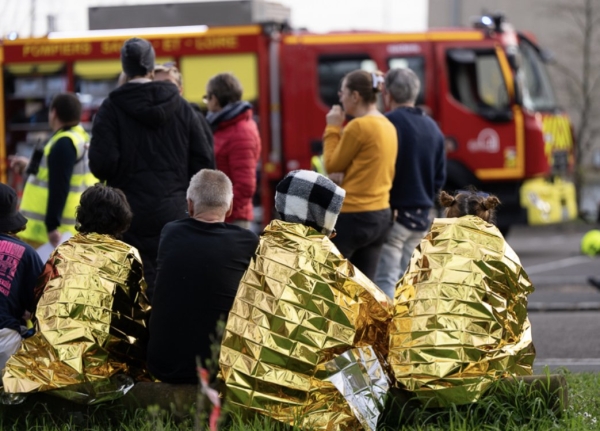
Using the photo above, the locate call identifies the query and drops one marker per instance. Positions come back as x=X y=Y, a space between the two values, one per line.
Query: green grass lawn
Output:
x=515 y=407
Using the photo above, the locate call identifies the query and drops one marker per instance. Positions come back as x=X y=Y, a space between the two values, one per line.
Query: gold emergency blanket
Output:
x=299 y=305
x=460 y=314
x=91 y=323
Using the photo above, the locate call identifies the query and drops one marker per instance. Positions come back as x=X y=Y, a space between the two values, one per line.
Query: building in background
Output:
x=239 y=12
x=37 y=18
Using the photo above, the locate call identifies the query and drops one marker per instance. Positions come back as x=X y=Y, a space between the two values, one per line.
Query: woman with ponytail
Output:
x=460 y=310
x=361 y=159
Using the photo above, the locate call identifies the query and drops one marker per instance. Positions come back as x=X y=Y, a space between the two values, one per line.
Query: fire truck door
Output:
x=483 y=127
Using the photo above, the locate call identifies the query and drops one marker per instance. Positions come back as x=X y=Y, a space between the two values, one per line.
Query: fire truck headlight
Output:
x=13 y=35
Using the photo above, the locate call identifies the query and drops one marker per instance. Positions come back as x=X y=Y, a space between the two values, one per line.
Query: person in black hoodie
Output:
x=148 y=142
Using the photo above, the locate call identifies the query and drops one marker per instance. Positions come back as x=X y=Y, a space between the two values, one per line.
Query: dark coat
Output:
x=147 y=141
x=421 y=161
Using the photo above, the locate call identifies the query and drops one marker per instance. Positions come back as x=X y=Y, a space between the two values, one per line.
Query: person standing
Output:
x=237 y=142
x=420 y=175
x=148 y=142
x=361 y=160
x=53 y=190
x=201 y=260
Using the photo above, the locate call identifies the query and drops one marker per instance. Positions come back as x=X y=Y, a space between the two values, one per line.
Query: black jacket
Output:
x=147 y=141
x=199 y=269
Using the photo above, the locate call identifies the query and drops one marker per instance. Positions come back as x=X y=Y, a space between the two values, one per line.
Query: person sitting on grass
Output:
x=300 y=305
x=91 y=310
x=201 y=260
x=460 y=310
x=19 y=270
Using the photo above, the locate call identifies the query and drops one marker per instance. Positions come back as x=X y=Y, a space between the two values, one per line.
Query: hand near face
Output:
x=336 y=116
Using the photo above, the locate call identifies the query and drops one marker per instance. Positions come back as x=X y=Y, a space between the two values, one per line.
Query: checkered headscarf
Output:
x=309 y=198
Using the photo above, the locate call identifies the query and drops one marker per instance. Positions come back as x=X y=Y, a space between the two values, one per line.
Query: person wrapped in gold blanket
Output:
x=460 y=310
x=299 y=305
x=91 y=311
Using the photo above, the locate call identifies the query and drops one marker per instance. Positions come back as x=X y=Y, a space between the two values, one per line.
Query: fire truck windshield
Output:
x=538 y=94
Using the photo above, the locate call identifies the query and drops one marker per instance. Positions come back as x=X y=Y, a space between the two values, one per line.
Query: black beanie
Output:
x=137 y=57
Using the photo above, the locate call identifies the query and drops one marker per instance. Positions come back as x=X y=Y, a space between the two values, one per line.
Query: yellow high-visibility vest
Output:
x=35 y=194
x=317 y=165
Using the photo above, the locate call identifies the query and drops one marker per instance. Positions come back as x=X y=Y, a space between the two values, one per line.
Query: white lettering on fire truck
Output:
x=487 y=141
x=404 y=48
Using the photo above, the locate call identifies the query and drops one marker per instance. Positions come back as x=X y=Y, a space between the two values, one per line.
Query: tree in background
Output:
x=582 y=76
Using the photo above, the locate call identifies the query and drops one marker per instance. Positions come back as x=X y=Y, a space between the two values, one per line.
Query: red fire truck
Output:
x=487 y=87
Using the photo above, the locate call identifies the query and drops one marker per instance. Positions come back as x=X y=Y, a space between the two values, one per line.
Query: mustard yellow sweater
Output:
x=366 y=153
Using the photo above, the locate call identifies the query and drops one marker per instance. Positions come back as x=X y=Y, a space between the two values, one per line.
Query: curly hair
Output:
x=470 y=202
x=103 y=210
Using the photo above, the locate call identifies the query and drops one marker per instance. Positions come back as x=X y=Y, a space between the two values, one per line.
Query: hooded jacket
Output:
x=147 y=141
x=237 y=150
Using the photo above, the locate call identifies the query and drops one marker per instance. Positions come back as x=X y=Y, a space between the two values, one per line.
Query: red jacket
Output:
x=237 y=150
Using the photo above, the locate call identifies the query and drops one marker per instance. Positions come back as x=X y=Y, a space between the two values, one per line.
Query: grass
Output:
x=510 y=407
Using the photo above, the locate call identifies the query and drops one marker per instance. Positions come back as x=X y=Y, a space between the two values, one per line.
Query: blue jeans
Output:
x=395 y=256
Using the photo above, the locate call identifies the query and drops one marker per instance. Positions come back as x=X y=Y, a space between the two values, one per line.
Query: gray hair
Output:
x=403 y=85
x=210 y=190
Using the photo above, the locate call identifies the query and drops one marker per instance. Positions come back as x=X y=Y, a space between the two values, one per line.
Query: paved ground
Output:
x=552 y=258
x=564 y=310
x=567 y=339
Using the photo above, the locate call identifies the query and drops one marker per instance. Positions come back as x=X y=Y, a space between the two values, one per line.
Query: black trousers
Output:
x=360 y=237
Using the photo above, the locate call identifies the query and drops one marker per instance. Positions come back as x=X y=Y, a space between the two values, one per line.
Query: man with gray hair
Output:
x=420 y=175
x=200 y=263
